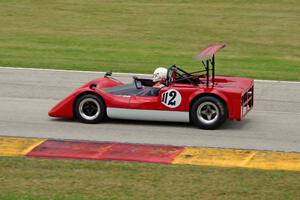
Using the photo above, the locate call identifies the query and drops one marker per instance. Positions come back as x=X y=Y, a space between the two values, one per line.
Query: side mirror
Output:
x=138 y=84
x=107 y=74
x=169 y=76
x=93 y=85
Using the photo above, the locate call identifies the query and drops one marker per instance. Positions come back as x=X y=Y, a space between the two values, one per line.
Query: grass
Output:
x=137 y=36
x=32 y=179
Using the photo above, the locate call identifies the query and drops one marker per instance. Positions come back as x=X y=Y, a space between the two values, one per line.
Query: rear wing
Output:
x=207 y=57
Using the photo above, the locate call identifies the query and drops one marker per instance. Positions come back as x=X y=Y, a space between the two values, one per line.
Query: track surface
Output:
x=26 y=95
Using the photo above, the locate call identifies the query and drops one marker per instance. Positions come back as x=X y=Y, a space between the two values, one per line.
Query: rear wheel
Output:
x=208 y=112
x=90 y=108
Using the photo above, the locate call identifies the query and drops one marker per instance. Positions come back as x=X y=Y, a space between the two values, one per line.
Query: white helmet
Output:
x=159 y=74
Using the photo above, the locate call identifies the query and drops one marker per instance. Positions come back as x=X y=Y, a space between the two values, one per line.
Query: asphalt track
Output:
x=26 y=95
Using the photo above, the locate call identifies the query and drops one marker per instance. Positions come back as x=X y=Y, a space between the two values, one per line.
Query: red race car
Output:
x=199 y=97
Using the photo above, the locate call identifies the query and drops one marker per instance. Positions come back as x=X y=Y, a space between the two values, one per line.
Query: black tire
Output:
x=208 y=112
x=90 y=108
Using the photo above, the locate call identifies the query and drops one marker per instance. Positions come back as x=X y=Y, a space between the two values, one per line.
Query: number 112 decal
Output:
x=171 y=98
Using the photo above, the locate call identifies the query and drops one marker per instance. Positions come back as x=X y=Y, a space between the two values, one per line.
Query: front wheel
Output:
x=90 y=108
x=208 y=112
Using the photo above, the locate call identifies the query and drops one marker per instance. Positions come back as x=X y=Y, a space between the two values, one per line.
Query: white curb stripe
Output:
x=64 y=70
x=121 y=73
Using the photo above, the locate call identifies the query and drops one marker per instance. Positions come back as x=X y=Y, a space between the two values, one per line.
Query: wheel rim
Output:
x=89 y=109
x=207 y=112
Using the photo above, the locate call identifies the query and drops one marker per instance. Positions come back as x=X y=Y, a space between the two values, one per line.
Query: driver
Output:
x=159 y=77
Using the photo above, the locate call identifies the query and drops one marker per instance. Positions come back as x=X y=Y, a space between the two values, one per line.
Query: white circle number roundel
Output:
x=171 y=98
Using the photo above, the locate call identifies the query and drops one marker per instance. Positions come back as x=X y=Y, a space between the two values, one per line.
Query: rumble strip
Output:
x=32 y=147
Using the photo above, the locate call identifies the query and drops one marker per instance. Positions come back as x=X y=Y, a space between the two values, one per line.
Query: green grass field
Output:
x=33 y=179
x=137 y=36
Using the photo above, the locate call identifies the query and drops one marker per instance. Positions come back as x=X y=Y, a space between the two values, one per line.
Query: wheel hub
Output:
x=207 y=112
x=89 y=109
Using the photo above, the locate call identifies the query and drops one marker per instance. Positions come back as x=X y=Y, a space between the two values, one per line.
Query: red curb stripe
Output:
x=142 y=153
x=106 y=151
x=69 y=149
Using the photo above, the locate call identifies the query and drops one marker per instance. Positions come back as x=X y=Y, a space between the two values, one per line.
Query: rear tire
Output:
x=90 y=108
x=208 y=112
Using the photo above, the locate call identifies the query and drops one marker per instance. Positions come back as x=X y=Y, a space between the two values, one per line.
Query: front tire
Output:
x=208 y=112
x=90 y=108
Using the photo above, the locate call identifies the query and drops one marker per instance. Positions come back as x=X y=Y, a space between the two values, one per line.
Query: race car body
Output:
x=207 y=100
